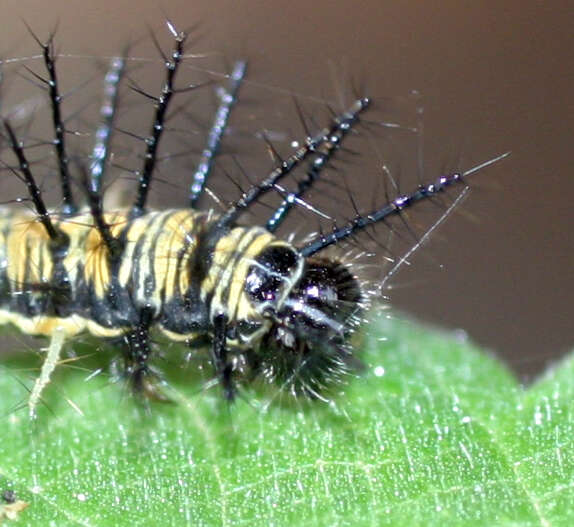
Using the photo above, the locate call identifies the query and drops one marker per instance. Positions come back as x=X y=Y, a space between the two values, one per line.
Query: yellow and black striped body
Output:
x=266 y=308
x=166 y=268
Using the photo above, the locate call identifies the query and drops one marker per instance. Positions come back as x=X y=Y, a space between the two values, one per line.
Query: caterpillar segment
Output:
x=266 y=308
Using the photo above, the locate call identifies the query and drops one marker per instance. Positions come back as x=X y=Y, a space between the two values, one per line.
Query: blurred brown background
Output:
x=494 y=76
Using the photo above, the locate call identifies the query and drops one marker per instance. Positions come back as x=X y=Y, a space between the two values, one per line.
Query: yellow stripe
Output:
x=237 y=298
x=44 y=325
x=223 y=252
x=145 y=267
x=136 y=231
x=221 y=274
x=26 y=232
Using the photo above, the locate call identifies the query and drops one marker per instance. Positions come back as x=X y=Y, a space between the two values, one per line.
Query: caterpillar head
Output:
x=313 y=306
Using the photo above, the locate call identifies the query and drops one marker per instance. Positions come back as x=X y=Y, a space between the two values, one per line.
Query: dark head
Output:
x=313 y=305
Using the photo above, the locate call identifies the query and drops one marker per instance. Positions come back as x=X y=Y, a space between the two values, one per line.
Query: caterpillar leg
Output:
x=223 y=367
x=137 y=351
x=52 y=358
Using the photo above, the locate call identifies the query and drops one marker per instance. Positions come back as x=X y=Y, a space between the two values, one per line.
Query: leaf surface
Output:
x=434 y=432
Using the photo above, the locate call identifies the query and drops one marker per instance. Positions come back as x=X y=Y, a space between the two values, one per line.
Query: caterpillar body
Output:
x=179 y=274
x=264 y=306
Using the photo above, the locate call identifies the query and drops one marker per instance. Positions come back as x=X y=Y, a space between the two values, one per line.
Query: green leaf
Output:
x=434 y=432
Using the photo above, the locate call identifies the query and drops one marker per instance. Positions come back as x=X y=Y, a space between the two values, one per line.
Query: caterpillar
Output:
x=265 y=307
